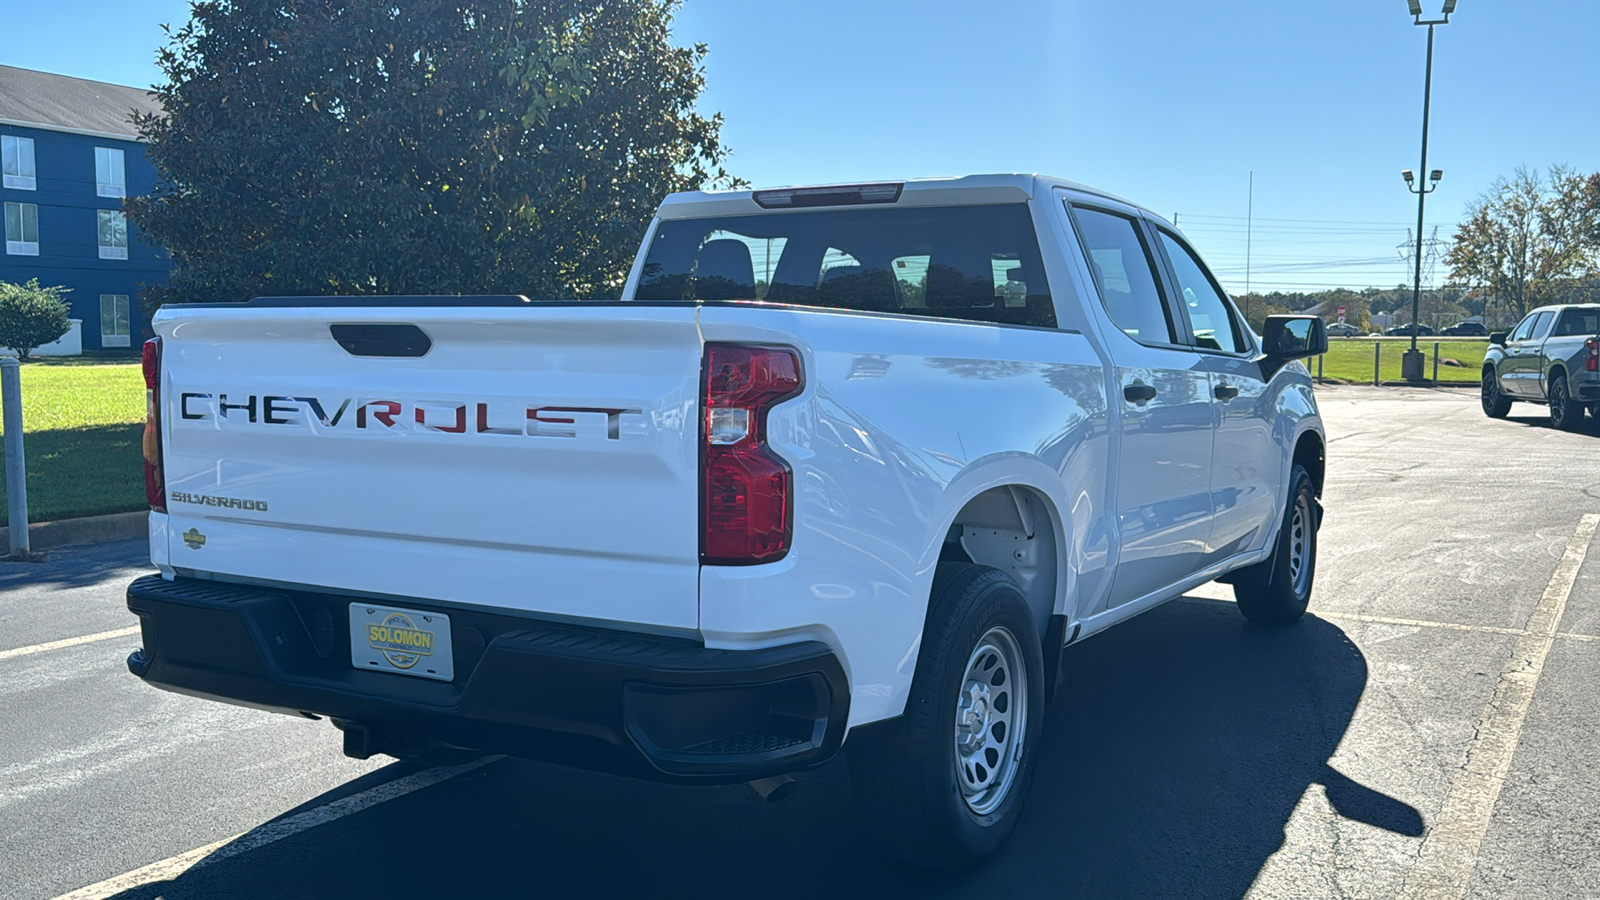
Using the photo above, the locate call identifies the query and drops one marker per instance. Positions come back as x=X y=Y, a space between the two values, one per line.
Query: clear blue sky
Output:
x=1171 y=104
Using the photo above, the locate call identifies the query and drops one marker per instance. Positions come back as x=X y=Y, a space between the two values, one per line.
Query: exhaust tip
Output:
x=775 y=788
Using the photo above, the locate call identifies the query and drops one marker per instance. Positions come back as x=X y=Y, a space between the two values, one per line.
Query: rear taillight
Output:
x=746 y=490
x=155 y=485
x=1592 y=364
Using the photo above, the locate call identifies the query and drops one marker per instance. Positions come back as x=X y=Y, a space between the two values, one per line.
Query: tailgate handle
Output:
x=398 y=340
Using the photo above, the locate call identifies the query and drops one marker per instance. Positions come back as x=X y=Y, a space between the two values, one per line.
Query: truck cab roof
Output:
x=946 y=191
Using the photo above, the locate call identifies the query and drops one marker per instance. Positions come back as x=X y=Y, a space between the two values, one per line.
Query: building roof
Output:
x=63 y=103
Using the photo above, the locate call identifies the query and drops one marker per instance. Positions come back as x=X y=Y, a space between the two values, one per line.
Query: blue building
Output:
x=68 y=156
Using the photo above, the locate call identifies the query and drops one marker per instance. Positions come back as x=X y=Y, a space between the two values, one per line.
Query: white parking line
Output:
x=1450 y=851
x=1418 y=623
x=69 y=642
x=173 y=867
x=1453 y=626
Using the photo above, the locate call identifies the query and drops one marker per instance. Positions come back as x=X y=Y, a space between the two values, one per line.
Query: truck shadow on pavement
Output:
x=1538 y=417
x=1179 y=747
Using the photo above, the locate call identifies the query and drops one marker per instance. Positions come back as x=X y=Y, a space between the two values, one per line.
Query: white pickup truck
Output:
x=845 y=469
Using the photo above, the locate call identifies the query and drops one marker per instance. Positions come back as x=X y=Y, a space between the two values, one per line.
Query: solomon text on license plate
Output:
x=403 y=641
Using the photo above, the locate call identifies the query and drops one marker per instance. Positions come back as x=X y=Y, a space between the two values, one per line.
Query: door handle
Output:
x=1139 y=394
x=1225 y=392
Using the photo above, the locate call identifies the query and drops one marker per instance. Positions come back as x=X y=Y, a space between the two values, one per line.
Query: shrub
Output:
x=31 y=316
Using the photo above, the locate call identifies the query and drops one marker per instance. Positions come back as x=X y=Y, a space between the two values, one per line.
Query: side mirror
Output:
x=1498 y=337
x=1294 y=337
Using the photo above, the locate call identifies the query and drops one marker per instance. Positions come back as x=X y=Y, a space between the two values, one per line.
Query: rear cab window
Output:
x=1579 y=322
x=975 y=263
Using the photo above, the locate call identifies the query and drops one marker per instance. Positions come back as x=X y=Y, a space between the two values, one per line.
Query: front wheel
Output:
x=1277 y=590
x=1495 y=403
x=1565 y=412
x=944 y=785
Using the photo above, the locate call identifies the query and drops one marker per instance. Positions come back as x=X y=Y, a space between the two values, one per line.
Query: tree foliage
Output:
x=419 y=146
x=1529 y=237
x=32 y=316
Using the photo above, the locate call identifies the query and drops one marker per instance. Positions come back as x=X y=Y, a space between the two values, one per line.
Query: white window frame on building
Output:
x=114 y=313
x=110 y=172
x=16 y=163
x=22 y=229
x=113 y=233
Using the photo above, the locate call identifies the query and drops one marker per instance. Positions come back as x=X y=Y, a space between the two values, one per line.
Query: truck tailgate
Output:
x=541 y=458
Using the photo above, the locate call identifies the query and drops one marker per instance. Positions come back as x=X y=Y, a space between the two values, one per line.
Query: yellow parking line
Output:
x=69 y=642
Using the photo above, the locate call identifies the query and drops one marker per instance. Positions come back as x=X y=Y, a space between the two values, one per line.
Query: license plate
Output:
x=403 y=641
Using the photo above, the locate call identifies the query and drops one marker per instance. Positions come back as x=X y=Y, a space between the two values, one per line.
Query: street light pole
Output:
x=1411 y=366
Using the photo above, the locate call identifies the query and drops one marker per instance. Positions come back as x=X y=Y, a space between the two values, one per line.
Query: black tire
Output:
x=1495 y=403
x=910 y=786
x=1277 y=590
x=1565 y=412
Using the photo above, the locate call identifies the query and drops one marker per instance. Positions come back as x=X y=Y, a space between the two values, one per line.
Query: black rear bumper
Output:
x=659 y=708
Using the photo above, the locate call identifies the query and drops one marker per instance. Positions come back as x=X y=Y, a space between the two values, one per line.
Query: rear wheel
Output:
x=1495 y=403
x=1277 y=590
x=944 y=785
x=1565 y=412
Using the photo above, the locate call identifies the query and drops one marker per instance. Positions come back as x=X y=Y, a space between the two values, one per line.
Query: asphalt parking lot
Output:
x=1429 y=731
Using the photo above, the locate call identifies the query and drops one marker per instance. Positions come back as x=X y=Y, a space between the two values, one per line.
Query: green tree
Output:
x=32 y=316
x=419 y=146
x=1528 y=236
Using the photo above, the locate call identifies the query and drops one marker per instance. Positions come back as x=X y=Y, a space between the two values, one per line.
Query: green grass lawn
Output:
x=82 y=424
x=1350 y=359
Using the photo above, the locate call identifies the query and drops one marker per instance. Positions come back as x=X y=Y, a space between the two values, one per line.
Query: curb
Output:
x=89 y=529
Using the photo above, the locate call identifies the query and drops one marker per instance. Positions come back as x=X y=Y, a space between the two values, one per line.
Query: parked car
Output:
x=1405 y=331
x=1343 y=329
x=702 y=533
x=1466 y=329
x=1551 y=357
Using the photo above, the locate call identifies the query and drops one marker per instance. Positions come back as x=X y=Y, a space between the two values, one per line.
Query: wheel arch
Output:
x=1311 y=455
x=1008 y=520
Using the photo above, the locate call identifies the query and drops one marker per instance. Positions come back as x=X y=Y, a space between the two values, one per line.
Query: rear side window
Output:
x=979 y=263
x=1125 y=272
x=1541 y=328
x=1576 y=322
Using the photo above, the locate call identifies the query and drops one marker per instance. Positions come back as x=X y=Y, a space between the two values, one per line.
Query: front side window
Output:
x=22 y=229
x=1214 y=325
x=111 y=178
x=16 y=163
x=1126 y=275
x=979 y=263
x=114 y=325
x=1524 y=328
x=113 y=234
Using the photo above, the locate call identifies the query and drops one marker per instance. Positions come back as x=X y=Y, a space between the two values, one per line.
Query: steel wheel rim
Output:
x=991 y=720
x=1300 y=546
